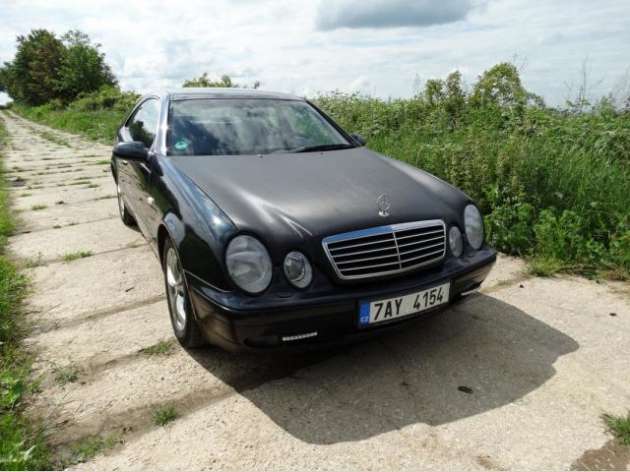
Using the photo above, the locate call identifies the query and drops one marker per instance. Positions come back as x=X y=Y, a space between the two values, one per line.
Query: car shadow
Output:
x=475 y=356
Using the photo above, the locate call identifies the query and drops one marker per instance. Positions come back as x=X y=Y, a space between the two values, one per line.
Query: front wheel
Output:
x=125 y=216
x=184 y=324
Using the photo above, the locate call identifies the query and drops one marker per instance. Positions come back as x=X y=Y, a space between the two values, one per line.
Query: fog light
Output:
x=297 y=269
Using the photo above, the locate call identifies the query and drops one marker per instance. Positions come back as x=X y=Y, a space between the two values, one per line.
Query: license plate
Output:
x=379 y=311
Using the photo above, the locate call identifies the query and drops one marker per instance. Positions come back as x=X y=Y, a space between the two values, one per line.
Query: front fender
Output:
x=175 y=229
x=199 y=254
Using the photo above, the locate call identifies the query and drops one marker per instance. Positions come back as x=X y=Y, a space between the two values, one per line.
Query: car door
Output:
x=142 y=127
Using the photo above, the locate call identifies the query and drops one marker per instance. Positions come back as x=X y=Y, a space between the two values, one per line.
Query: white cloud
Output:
x=156 y=44
x=362 y=85
x=389 y=13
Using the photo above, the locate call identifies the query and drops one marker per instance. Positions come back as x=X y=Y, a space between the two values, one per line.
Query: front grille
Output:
x=386 y=250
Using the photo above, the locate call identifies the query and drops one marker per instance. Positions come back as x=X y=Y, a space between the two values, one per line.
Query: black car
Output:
x=276 y=228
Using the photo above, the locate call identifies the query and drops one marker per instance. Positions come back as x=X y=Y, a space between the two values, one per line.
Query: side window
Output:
x=144 y=123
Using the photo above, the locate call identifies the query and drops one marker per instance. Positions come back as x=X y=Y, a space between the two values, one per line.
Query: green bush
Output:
x=107 y=98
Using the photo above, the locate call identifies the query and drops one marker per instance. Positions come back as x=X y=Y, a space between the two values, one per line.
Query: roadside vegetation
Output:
x=21 y=445
x=164 y=415
x=95 y=115
x=161 y=348
x=85 y=449
x=620 y=427
x=73 y=256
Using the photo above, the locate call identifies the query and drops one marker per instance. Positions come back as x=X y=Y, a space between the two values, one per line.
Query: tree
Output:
x=205 y=81
x=447 y=96
x=83 y=68
x=500 y=86
x=46 y=68
x=32 y=75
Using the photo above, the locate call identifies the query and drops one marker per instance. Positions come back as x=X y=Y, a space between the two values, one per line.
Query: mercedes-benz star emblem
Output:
x=384 y=204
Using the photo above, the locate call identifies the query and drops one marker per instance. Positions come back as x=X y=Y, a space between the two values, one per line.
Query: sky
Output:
x=385 y=48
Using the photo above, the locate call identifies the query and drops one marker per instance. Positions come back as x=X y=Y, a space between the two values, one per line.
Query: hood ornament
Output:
x=384 y=205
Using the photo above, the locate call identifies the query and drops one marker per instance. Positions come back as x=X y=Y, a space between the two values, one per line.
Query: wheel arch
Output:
x=171 y=228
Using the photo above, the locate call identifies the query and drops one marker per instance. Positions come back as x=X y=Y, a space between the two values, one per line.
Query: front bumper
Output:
x=238 y=322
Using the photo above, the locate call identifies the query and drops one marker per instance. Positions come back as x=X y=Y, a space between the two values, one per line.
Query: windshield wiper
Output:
x=322 y=147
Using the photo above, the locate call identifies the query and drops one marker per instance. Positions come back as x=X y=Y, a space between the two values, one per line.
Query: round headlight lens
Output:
x=248 y=263
x=474 y=226
x=297 y=269
x=455 y=241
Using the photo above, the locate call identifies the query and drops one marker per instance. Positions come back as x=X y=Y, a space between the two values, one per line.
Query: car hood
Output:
x=307 y=196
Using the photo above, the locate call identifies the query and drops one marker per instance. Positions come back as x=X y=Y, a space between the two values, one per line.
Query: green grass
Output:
x=73 y=256
x=162 y=348
x=545 y=266
x=87 y=448
x=67 y=374
x=53 y=138
x=99 y=125
x=164 y=415
x=34 y=262
x=620 y=427
x=21 y=444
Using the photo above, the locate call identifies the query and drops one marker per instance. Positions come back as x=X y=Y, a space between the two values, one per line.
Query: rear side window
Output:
x=143 y=125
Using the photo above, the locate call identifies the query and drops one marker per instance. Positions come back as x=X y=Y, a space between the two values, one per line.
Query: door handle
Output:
x=124 y=163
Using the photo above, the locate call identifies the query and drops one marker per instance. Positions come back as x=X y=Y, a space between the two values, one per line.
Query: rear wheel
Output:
x=184 y=324
x=125 y=216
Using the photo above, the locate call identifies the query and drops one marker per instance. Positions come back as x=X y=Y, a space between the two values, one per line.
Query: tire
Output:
x=125 y=215
x=185 y=326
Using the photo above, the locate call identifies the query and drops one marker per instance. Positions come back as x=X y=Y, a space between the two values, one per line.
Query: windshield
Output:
x=248 y=126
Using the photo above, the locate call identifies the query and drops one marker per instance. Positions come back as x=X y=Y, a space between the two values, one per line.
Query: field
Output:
x=552 y=183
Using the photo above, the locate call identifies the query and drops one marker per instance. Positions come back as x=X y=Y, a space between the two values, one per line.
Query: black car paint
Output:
x=288 y=201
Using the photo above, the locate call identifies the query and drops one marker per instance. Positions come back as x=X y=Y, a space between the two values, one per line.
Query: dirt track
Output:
x=543 y=358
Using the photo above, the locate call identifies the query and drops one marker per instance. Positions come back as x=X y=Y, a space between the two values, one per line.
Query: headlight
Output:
x=248 y=263
x=297 y=269
x=474 y=226
x=455 y=241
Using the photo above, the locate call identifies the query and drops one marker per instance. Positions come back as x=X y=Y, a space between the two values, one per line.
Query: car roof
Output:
x=217 y=92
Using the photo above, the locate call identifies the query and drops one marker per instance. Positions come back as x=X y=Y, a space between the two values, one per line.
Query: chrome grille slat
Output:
x=424 y=248
x=372 y=266
x=419 y=234
x=411 y=259
x=420 y=241
x=386 y=250
x=362 y=244
x=356 y=253
x=355 y=261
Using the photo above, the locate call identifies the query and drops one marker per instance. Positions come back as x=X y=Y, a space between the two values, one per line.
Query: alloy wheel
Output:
x=176 y=290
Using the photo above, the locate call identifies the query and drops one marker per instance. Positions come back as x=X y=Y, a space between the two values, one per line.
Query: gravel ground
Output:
x=516 y=377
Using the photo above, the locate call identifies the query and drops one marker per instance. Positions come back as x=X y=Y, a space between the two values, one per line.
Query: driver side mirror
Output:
x=133 y=151
x=360 y=140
